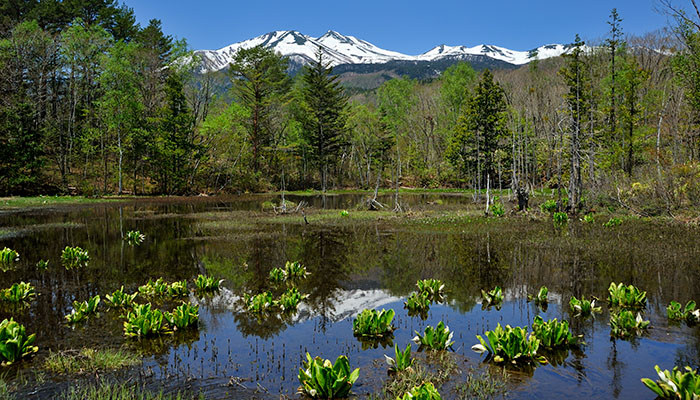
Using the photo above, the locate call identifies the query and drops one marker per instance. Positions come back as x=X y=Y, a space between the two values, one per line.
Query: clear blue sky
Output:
x=410 y=27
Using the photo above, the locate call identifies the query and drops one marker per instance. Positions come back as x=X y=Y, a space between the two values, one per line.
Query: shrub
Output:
x=321 y=379
x=624 y=324
x=438 y=338
x=18 y=292
x=402 y=360
x=675 y=384
x=629 y=296
x=74 y=257
x=373 y=323
x=508 y=344
x=15 y=344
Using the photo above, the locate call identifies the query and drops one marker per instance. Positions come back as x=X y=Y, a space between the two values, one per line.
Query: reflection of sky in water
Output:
x=355 y=266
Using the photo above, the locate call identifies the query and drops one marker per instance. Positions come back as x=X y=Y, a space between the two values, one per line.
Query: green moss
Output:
x=88 y=361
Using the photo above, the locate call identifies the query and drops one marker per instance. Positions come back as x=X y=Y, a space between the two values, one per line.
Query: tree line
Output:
x=92 y=103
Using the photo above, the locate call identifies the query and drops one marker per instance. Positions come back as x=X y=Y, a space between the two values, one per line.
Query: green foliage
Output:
x=161 y=289
x=493 y=297
x=541 y=297
x=675 y=384
x=402 y=360
x=426 y=391
x=629 y=296
x=278 y=275
x=82 y=310
x=497 y=209
x=88 y=361
x=74 y=257
x=588 y=218
x=320 y=379
x=15 y=344
x=259 y=303
x=418 y=302
x=624 y=324
x=290 y=299
x=676 y=312
x=183 y=316
x=553 y=334
x=373 y=323
x=508 y=344
x=583 y=307
x=434 y=288
x=18 y=292
x=207 y=284
x=120 y=299
x=549 y=206
x=344 y=213
x=295 y=270
x=612 y=222
x=7 y=258
x=42 y=265
x=143 y=321
x=438 y=338
x=560 y=218
x=178 y=289
x=134 y=238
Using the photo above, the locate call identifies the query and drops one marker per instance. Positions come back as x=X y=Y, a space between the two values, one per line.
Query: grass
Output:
x=119 y=391
x=21 y=202
x=436 y=368
x=88 y=361
x=484 y=386
x=5 y=393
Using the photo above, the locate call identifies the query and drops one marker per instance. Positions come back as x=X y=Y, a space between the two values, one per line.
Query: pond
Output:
x=362 y=260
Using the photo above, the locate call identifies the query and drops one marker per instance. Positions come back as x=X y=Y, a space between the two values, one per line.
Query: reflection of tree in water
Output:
x=264 y=325
x=616 y=367
x=160 y=346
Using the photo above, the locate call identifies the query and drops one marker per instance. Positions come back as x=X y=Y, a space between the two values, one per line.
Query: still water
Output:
x=357 y=262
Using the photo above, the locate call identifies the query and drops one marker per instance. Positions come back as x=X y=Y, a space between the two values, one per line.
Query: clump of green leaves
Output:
x=560 y=218
x=278 y=275
x=625 y=324
x=18 y=293
x=676 y=312
x=553 y=334
x=509 y=344
x=373 y=323
x=434 y=288
x=290 y=299
x=161 y=289
x=629 y=296
x=344 y=213
x=493 y=297
x=207 y=284
x=438 y=338
x=144 y=321
x=15 y=344
x=588 y=218
x=583 y=307
x=497 y=209
x=418 y=302
x=295 y=270
x=426 y=391
x=402 y=360
x=178 y=289
x=89 y=361
x=120 y=299
x=74 y=257
x=549 y=206
x=321 y=379
x=612 y=222
x=184 y=316
x=259 y=303
x=675 y=384
x=7 y=258
x=134 y=238
x=541 y=297
x=82 y=310
x=42 y=265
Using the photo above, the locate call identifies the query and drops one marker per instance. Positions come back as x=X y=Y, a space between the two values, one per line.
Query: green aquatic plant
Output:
x=183 y=316
x=82 y=310
x=18 y=292
x=553 y=334
x=675 y=384
x=418 y=302
x=178 y=289
x=612 y=222
x=259 y=303
x=541 y=297
x=278 y=275
x=433 y=287
x=625 y=324
x=402 y=360
x=676 y=312
x=629 y=296
x=155 y=289
x=15 y=344
x=144 y=321
x=88 y=360
x=583 y=307
x=560 y=218
x=509 y=344
x=134 y=238
x=549 y=206
x=493 y=297
x=321 y=379
x=74 y=257
x=373 y=323
x=588 y=218
x=290 y=299
x=42 y=265
x=295 y=270
x=207 y=284
x=7 y=258
x=120 y=299
x=344 y=213
x=425 y=391
x=438 y=338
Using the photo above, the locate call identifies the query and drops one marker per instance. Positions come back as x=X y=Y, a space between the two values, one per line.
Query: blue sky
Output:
x=410 y=27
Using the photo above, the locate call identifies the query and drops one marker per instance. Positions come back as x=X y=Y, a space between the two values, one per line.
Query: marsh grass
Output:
x=483 y=386
x=437 y=368
x=120 y=391
x=88 y=361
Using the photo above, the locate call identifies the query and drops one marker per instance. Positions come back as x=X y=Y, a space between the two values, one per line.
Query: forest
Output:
x=94 y=104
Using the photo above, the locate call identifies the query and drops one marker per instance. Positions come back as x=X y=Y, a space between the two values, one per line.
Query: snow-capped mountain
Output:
x=341 y=49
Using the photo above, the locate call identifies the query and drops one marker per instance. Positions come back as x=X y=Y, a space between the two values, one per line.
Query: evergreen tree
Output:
x=614 y=43
x=324 y=124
